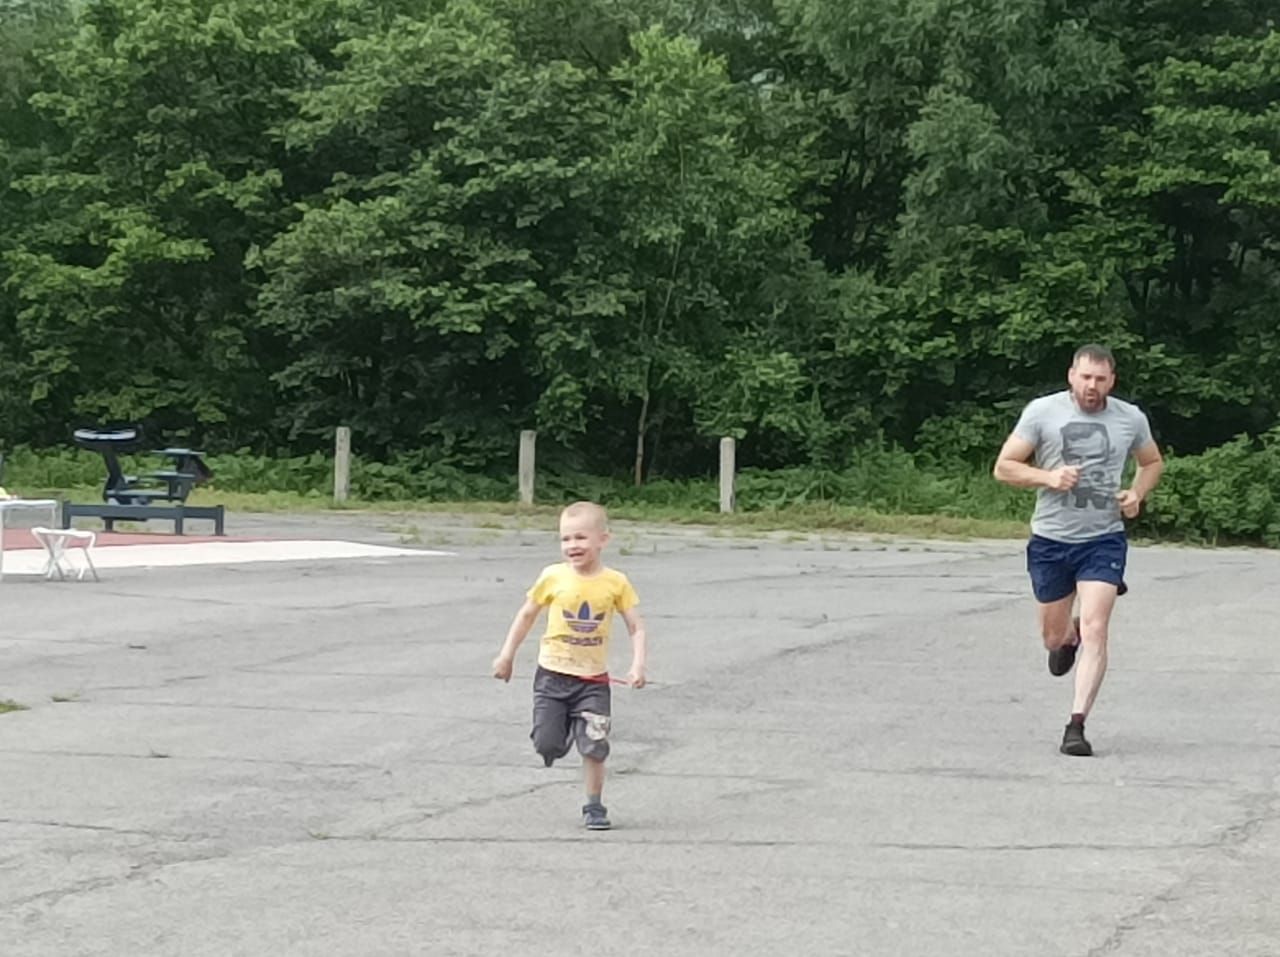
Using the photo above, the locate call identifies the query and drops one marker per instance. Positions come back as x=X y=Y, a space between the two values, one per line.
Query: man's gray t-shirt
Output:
x=1099 y=443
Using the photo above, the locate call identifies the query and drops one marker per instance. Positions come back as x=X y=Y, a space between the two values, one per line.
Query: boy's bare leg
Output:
x=593 y=777
x=1097 y=599
x=593 y=813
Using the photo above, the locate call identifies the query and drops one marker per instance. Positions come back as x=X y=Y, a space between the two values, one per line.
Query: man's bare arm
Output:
x=1013 y=467
x=1150 y=468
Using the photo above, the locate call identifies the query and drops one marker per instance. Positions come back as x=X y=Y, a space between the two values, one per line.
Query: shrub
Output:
x=1225 y=494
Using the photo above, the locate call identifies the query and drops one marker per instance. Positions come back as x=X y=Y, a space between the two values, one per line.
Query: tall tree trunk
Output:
x=641 y=426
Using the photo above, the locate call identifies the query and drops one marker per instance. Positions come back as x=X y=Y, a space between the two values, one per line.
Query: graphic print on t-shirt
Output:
x=1088 y=446
x=583 y=622
x=580 y=612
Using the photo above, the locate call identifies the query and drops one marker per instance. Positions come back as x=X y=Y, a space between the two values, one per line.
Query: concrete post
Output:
x=528 y=441
x=727 y=455
x=341 y=464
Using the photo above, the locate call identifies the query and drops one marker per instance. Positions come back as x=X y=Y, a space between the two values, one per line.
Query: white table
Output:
x=14 y=504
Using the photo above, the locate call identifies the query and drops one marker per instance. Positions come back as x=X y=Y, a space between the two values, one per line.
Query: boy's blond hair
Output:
x=589 y=510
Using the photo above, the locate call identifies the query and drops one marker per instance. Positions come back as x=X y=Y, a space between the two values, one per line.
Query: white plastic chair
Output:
x=57 y=541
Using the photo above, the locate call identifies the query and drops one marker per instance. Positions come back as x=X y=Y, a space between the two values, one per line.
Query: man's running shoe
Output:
x=1074 y=743
x=1061 y=659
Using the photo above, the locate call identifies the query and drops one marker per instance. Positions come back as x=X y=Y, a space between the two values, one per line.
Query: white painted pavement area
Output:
x=31 y=561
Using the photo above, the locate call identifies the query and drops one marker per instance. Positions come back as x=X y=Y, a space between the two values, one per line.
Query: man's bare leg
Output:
x=1055 y=622
x=1097 y=599
x=1059 y=634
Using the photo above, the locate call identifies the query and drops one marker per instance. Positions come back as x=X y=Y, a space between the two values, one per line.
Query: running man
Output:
x=1071 y=447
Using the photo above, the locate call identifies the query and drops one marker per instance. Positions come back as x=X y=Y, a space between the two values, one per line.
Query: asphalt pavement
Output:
x=849 y=746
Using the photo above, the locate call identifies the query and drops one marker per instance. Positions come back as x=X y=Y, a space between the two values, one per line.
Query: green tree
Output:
x=127 y=276
x=409 y=289
x=698 y=225
x=1205 y=171
x=508 y=241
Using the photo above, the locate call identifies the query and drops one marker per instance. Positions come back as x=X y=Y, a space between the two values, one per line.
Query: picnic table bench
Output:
x=138 y=498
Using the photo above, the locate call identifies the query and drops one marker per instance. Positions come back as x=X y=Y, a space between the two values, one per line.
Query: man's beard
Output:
x=1090 y=400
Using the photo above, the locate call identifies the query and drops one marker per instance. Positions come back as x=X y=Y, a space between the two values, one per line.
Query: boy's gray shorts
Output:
x=568 y=710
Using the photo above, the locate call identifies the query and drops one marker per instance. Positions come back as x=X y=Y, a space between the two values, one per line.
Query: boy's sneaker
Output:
x=1074 y=743
x=595 y=817
x=1061 y=659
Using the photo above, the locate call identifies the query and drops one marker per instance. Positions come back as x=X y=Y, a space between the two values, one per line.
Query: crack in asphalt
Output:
x=284 y=709
x=211 y=759
x=1231 y=839
x=139 y=871
x=419 y=817
x=103 y=828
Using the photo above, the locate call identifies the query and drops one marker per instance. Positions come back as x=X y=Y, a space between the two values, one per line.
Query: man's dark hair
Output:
x=1095 y=352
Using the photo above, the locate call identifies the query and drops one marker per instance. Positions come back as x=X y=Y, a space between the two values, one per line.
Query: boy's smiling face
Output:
x=582 y=540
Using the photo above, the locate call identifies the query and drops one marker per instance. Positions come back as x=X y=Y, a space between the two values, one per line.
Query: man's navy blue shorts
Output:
x=1055 y=567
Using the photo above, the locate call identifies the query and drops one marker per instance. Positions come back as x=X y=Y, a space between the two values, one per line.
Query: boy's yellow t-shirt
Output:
x=579 y=615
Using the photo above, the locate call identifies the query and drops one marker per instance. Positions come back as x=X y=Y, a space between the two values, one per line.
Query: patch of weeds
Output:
x=130 y=528
x=153 y=753
x=402 y=529
x=6 y=706
x=65 y=698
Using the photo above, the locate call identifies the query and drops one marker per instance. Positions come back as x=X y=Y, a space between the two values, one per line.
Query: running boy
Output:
x=571 y=694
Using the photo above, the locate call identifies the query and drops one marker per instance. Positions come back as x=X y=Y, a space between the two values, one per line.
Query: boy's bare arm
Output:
x=639 y=647
x=504 y=664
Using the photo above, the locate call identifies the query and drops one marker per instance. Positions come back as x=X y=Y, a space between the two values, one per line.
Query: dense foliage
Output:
x=636 y=227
